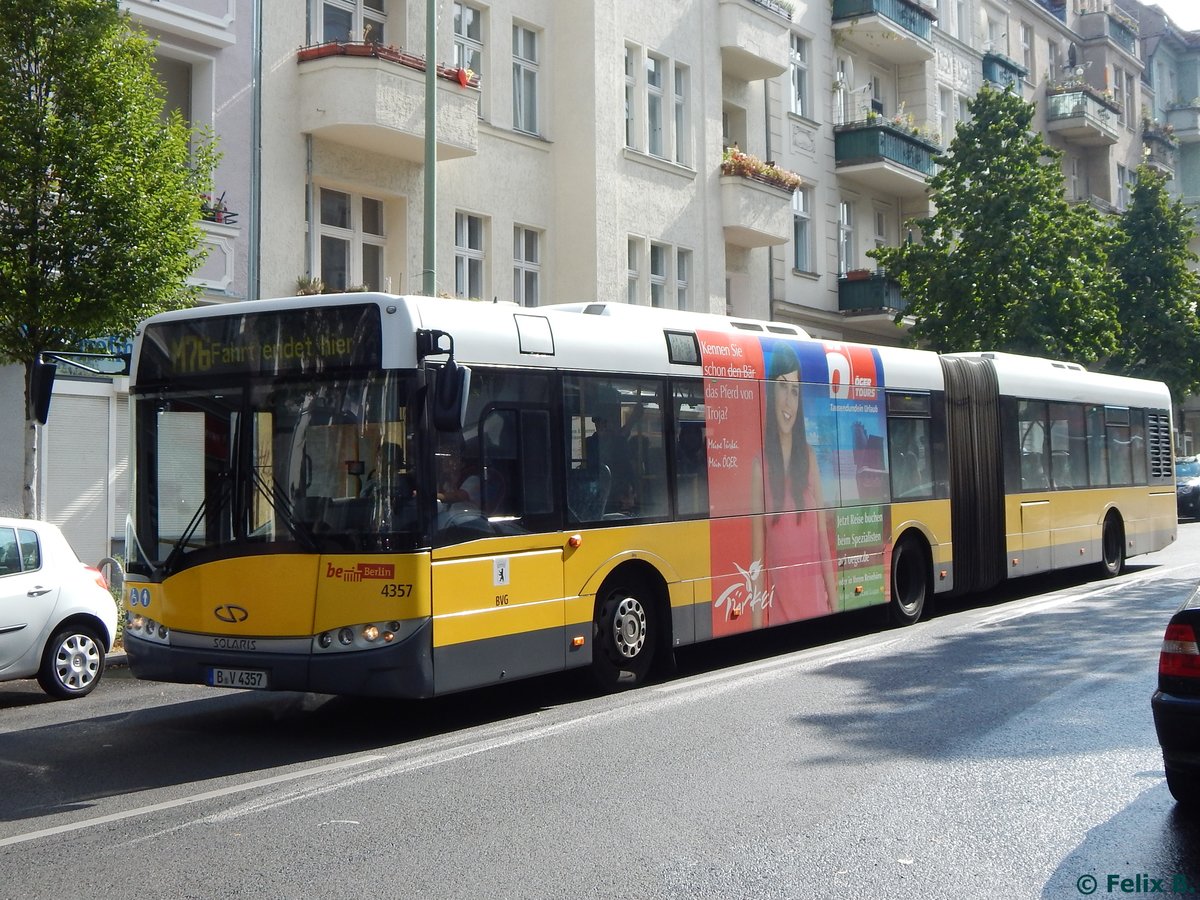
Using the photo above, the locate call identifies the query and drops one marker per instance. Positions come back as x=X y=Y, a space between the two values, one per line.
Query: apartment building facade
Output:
x=580 y=146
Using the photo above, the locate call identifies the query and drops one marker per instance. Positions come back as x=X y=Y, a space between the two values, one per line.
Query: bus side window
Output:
x=691 y=456
x=1031 y=416
x=1068 y=446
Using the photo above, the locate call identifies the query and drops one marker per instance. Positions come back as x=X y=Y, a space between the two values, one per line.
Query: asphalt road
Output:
x=1002 y=748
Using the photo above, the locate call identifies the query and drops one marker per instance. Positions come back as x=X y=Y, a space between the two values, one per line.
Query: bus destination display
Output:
x=324 y=339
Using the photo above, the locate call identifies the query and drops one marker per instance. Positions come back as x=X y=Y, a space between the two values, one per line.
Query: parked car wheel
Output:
x=72 y=664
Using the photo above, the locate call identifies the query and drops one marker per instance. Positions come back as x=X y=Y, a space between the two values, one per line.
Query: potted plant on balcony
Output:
x=858 y=274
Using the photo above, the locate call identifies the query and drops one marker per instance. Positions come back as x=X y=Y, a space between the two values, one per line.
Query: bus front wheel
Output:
x=910 y=582
x=1112 y=543
x=624 y=634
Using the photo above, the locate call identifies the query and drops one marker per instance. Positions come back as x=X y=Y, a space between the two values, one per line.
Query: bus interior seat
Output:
x=587 y=494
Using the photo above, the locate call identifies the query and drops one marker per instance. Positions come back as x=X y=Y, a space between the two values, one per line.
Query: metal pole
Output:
x=429 y=279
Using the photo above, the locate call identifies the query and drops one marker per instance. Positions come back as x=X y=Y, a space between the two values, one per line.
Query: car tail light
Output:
x=99 y=576
x=1180 y=657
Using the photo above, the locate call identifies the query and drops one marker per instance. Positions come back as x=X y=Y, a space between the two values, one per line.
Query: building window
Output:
x=682 y=156
x=801 y=99
x=351 y=241
x=962 y=21
x=630 y=98
x=945 y=116
x=659 y=254
x=352 y=20
x=1123 y=177
x=1054 y=59
x=655 y=138
x=845 y=237
x=525 y=80
x=1027 y=59
x=468 y=37
x=633 y=254
x=527 y=268
x=802 y=238
x=881 y=228
x=1130 y=102
x=1119 y=91
x=468 y=255
x=683 y=279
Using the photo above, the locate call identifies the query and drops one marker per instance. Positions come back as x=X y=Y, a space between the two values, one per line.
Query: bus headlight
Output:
x=364 y=636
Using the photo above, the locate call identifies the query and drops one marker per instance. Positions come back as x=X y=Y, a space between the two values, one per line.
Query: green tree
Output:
x=1160 y=329
x=99 y=188
x=1005 y=263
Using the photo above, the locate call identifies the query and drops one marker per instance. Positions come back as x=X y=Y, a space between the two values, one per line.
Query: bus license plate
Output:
x=238 y=678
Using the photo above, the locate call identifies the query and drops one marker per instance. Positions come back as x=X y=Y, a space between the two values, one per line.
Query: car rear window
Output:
x=31 y=550
x=20 y=550
x=10 y=554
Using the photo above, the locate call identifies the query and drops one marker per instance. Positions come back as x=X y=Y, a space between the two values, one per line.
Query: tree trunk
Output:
x=31 y=499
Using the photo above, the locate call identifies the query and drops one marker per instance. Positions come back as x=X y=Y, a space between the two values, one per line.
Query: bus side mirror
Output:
x=41 y=386
x=450 y=397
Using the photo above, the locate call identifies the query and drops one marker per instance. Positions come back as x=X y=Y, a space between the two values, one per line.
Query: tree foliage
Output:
x=1004 y=262
x=99 y=189
x=1160 y=329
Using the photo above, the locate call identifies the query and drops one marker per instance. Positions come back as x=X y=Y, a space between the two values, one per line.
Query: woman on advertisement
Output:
x=792 y=540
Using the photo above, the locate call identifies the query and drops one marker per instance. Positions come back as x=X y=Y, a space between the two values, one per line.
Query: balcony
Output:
x=754 y=39
x=1081 y=116
x=1120 y=29
x=899 y=31
x=755 y=213
x=219 y=246
x=863 y=293
x=372 y=97
x=1186 y=122
x=886 y=158
x=1002 y=71
x=1159 y=152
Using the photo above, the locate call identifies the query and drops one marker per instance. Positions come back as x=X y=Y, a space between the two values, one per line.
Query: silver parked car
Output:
x=57 y=617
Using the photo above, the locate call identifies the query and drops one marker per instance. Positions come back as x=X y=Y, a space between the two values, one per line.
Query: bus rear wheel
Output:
x=1112 y=546
x=624 y=634
x=910 y=582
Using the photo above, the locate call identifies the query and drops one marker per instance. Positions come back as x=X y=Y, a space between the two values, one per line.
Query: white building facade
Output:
x=580 y=149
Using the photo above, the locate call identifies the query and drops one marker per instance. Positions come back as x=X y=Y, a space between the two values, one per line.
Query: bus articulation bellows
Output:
x=406 y=496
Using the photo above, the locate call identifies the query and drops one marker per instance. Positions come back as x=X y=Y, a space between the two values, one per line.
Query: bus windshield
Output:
x=319 y=465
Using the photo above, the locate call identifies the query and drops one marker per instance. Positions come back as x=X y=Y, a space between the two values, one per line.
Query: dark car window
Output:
x=1187 y=468
x=31 y=550
x=10 y=554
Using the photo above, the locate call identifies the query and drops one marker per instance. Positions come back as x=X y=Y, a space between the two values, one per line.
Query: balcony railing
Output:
x=999 y=69
x=862 y=292
x=863 y=142
x=1057 y=8
x=910 y=16
x=1119 y=28
x=1080 y=115
x=1185 y=119
x=464 y=77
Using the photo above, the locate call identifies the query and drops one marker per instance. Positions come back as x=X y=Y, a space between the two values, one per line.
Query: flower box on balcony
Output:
x=371 y=49
x=735 y=162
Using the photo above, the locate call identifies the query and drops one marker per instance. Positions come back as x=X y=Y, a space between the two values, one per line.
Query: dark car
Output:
x=1176 y=703
x=1187 y=486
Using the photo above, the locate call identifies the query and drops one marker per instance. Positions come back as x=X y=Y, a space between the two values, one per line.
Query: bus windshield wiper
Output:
x=177 y=549
x=278 y=501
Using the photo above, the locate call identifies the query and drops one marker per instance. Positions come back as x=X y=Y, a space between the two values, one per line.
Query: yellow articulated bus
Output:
x=404 y=496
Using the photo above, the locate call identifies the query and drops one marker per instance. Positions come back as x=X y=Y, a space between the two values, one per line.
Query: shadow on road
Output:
x=224 y=738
